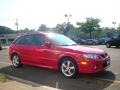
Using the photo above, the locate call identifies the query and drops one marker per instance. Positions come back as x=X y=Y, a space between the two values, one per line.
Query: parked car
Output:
x=101 y=41
x=0 y=46
x=91 y=42
x=115 y=41
x=79 y=41
x=58 y=52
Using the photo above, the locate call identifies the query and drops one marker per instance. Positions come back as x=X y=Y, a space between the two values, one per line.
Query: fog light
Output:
x=95 y=67
x=84 y=63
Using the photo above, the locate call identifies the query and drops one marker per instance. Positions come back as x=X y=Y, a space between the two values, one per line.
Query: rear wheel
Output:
x=16 y=61
x=68 y=68
x=108 y=45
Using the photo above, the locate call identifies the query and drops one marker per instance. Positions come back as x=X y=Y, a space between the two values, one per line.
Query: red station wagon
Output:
x=58 y=52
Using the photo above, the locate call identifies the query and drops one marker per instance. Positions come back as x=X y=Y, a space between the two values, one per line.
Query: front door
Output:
x=43 y=56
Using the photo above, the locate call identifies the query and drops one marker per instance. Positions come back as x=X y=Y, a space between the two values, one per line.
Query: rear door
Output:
x=24 y=48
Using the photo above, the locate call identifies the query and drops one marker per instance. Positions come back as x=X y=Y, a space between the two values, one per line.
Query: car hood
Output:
x=84 y=49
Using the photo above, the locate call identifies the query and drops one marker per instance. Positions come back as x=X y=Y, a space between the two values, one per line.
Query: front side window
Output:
x=38 y=40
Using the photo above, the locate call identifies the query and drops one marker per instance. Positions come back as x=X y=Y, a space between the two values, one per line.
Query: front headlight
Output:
x=90 y=56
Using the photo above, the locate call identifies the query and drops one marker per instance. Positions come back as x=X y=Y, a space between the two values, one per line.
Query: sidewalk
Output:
x=14 y=85
x=4 y=47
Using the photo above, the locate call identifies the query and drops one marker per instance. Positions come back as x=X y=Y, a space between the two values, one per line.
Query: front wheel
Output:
x=68 y=68
x=16 y=61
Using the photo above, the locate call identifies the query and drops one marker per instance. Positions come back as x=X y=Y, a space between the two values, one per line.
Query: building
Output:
x=6 y=39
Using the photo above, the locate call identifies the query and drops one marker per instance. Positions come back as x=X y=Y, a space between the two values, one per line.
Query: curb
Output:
x=22 y=80
x=33 y=84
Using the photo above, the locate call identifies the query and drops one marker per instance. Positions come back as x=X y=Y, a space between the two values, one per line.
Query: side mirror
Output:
x=47 y=44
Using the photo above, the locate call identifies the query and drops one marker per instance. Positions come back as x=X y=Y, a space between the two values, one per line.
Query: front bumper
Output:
x=94 y=66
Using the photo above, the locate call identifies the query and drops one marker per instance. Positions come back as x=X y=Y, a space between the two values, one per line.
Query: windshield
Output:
x=61 y=40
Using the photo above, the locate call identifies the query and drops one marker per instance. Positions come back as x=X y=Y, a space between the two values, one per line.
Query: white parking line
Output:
x=49 y=88
x=103 y=79
x=56 y=85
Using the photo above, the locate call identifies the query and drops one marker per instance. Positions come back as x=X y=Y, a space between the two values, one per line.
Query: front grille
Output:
x=105 y=64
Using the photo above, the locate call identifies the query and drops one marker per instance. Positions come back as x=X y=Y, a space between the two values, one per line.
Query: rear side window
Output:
x=35 y=40
x=19 y=41
x=26 y=40
x=38 y=40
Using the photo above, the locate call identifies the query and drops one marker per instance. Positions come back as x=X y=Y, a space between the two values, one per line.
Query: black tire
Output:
x=117 y=46
x=16 y=61
x=0 y=48
x=108 y=45
x=73 y=68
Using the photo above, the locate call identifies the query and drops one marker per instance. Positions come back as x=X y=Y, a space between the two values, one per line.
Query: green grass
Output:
x=3 y=78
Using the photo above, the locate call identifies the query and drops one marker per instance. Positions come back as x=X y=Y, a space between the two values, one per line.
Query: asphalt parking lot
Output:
x=108 y=80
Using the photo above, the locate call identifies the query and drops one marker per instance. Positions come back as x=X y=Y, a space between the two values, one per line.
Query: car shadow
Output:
x=45 y=77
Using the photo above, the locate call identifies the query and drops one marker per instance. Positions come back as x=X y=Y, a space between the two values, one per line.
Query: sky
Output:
x=33 y=13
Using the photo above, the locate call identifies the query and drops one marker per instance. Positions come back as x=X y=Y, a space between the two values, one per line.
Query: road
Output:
x=108 y=80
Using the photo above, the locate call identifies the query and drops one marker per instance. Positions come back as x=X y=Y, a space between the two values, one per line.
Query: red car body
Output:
x=49 y=57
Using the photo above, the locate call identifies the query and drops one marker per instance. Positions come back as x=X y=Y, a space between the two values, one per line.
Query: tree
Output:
x=118 y=28
x=97 y=32
x=63 y=28
x=66 y=29
x=27 y=30
x=5 y=30
x=43 y=28
x=90 y=25
x=108 y=32
x=59 y=28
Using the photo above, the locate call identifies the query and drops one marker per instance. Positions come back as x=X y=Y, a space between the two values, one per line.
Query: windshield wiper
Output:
x=69 y=45
x=65 y=45
x=73 y=44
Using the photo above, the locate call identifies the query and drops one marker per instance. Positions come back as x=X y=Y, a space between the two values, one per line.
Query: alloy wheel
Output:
x=68 y=68
x=15 y=61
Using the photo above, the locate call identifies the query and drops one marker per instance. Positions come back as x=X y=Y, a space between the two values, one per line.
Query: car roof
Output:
x=41 y=33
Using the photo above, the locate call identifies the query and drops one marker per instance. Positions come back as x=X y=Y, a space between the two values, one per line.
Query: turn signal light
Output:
x=83 y=62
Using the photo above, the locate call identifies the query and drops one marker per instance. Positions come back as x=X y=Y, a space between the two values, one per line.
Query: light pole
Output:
x=114 y=23
x=68 y=16
x=16 y=23
x=67 y=26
